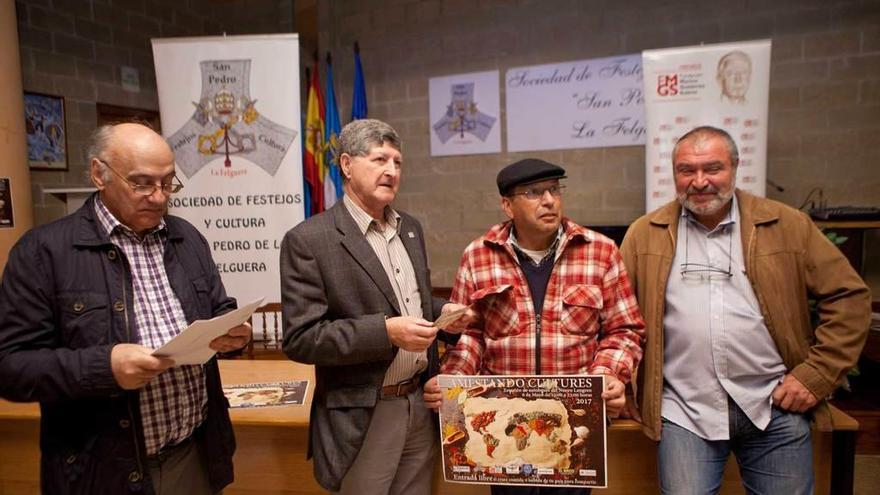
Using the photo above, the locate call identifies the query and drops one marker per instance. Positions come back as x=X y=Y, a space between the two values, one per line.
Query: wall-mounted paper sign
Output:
x=7 y=221
x=583 y=104
x=464 y=112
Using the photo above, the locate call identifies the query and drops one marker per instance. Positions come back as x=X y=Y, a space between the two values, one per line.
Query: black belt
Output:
x=401 y=389
x=169 y=450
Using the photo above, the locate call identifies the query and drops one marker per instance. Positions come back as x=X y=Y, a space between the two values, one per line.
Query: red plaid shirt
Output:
x=590 y=323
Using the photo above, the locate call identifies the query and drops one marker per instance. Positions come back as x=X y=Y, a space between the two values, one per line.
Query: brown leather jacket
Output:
x=787 y=259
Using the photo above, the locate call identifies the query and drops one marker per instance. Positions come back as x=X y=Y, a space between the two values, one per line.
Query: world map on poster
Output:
x=523 y=430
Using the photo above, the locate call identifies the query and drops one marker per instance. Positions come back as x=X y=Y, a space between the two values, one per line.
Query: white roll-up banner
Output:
x=723 y=85
x=230 y=110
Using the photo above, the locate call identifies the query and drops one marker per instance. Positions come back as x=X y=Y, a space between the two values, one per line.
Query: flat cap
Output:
x=526 y=172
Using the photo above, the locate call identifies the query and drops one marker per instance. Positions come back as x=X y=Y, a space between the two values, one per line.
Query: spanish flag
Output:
x=313 y=161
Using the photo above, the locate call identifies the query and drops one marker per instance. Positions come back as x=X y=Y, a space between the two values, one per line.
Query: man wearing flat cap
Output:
x=550 y=297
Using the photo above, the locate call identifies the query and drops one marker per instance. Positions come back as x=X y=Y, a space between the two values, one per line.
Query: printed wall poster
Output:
x=464 y=112
x=524 y=430
x=7 y=220
x=230 y=110
x=46 y=131
x=583 y=104
x=723 y=85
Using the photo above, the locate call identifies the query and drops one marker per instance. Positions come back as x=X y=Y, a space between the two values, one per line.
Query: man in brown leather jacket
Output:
x=733 y=363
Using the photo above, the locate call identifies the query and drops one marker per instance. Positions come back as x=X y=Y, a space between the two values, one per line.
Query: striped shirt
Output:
x=395 y=260
x=174 y=403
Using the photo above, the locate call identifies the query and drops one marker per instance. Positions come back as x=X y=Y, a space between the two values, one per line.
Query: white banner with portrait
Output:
x=583 y=104
x=724 y=85
x=230 y=110
x=464 y=111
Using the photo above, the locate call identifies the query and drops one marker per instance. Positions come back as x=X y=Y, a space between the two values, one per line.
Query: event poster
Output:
x=230 y=110
x=248 y=395
x=722 y=85
x=524 y=430
x=583 y=104
x=464 y=111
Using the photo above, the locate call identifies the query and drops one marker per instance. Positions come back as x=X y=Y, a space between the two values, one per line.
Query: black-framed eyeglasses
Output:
x=534 y=193
x=147 y=189
x=703 y=271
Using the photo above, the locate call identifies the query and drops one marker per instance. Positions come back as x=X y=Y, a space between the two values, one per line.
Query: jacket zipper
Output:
x=538 y=344
x=137 y=446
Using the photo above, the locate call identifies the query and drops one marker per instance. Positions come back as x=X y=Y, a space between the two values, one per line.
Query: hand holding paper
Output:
x=194 y=344
x=235 y=339
x=454 y=318
x=133 y=366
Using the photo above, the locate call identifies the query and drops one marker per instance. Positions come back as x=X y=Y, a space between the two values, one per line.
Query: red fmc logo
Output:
x=667 y=85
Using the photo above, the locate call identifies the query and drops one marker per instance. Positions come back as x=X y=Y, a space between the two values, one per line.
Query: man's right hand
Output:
x=411 y=334
x=432 y=395
x=134 y=366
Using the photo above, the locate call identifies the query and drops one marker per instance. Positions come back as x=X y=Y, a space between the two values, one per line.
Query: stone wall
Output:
x=824 y=99
x=824 y=128
x=76 y=48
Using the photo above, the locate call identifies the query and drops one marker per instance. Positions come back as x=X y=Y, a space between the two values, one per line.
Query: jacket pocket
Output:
x=498 y=306
x=70 y=470
x=203 y=297
x=83 y=319
x=581 y=305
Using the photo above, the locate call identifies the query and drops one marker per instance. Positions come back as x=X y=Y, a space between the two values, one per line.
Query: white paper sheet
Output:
x=191 y=345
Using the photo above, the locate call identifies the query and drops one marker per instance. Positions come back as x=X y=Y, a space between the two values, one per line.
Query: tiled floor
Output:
x=867 y=475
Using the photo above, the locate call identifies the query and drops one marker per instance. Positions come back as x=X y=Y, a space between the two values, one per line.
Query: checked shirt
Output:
x=174 y=403
x=590 y=322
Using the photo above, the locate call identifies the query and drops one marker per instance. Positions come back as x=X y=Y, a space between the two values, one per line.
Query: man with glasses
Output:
x=550 y=297
x=733 y=362
x=83 y=303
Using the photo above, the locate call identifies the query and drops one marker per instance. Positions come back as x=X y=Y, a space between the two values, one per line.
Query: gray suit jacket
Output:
x=335 y=297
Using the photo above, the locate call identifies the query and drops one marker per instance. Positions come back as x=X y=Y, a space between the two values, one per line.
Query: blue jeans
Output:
x=778 y=460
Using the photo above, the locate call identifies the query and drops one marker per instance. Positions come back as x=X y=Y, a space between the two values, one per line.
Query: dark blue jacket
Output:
x=65 y=301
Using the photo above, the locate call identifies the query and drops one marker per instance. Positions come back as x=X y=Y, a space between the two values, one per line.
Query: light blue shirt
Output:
x=716 y=343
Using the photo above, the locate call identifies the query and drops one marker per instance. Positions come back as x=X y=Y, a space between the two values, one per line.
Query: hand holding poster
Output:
x=524 y=430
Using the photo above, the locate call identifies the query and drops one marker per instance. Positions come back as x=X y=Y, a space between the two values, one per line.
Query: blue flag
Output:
x=307 y=195
x=359 y=100
x=332 y=127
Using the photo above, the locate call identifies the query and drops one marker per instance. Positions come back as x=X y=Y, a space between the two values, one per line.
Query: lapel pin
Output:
x=411 y=235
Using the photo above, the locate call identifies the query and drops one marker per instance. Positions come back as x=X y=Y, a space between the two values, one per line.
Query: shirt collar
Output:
x=110 y=223
x=550 y=250
x=364 y=220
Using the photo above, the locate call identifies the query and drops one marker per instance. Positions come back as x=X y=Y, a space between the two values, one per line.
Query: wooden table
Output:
x=270 y=458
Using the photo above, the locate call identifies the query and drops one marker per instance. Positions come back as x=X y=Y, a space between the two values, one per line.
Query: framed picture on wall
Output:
x=46 y=131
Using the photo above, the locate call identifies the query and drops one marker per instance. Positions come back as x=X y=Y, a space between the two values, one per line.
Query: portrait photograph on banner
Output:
x=581 y=104
x=230 y=110
x=465 y=114
x=726 y=85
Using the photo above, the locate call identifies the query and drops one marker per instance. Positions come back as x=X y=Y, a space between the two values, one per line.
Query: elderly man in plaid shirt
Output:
x=549 y=297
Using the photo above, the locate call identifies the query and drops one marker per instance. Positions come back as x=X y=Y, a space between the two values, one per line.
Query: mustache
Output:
x=708 y=189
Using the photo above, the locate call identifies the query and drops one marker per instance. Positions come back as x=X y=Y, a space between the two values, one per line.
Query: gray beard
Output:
x=714 y=206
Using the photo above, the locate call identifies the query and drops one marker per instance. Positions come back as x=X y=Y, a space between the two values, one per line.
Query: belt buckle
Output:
x=402 y=384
